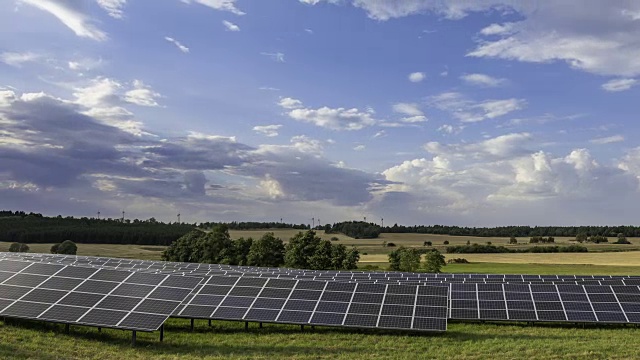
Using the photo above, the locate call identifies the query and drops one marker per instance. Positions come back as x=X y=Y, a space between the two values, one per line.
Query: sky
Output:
x=470 y=113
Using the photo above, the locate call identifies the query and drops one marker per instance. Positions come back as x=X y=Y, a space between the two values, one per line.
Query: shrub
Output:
x=427 y=243
x=597 y=239
x=468 y=242
x=19 y=247
x=446 y=242
x=488 y=242
x=391 y=244
x=458 y=261
x=334 y=238
x=622 y=239
x=66 y=247
x=513 y=240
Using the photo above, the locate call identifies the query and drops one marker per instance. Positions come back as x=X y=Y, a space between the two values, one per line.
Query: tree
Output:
x=513 y=240
x=19 y=247
x=446 y=242
x=54 y=248
x=217 y=247
x=242 y=248
x=67 y=247
x=322 y=258
x=267 y=251
x=404 y=259
x=351 y=261
x=409 y=260
x=581 y=237
x=338 y=256
x=434 y=261
x=183 y=249
x=622 y=239
x=427 y=243
x=300 y=249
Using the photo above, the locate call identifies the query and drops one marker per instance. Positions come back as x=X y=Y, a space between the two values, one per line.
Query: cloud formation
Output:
x=331 y=118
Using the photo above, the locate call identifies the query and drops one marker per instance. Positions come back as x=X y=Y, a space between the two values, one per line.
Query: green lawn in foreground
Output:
x=228 y=340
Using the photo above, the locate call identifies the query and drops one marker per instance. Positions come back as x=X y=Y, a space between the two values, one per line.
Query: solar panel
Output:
x=315 y=302
x=89 y=296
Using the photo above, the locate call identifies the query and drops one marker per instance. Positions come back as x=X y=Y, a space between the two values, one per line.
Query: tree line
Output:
x=410 y=260
x=354 y=229
x=305 y=250
x=519 y=231
x=492 y=249
x=253 y=225
x=34 y=228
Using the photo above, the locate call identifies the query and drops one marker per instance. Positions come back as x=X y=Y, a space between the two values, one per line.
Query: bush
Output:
x=622 y=239
x=468 y=242
x=66 y=247
x=446 y=242
x=427 y=243
x=458 y=261
x=541 y=239
x=334 y=238
x=597 y=239
x=513 y=240
x=370 y=267
x=391 y=244
x=488 y=242
x=19 y=247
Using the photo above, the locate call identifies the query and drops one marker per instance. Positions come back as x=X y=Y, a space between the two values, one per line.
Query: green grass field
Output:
x=228 y=340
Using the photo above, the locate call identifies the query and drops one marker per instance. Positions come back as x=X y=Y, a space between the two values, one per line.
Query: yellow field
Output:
x=627 y=258
x=146 y=252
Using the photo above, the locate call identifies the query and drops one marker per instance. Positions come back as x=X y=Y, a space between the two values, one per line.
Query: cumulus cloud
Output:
x=417 y=77
x=178 y=44
x=142 y=95
x=467 y=110
x=359 y=147
x=73 y=15
x=230 y=26
x=330 y=118
x=619 y=84
x=483 y=80
x=267 y=130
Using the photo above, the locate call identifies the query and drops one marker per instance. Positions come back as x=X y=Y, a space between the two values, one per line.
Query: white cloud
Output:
x=141 y=95
x=230 y=26
x=330 y=118
x=223 y=5
x=380 y=134
x=85 y=64
x=72 y=15
x=113 y=7
x=467 y=110
x=497 y=29
x=608 y=140
x=290 y=103
x=277 y=56
x=179 y=45
x=450 y=129
x=619 y=84
x=410 y=109
x=268 y=88
x=308 y=31
x=600 y=38
x=267 y=130
x=359 y=147
x=17 y=59
x=417 y=77
x=414 y=119
x=483 y=80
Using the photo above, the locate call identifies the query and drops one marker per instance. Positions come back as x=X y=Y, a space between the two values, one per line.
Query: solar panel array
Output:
x=543 y=302
x=319 y=303
x=298 y=296
x=89 y=296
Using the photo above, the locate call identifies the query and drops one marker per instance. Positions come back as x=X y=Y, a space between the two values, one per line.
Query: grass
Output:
x=145 y=252
x=228 y=340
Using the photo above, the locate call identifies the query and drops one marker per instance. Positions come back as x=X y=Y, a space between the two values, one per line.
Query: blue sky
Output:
x=474 y=113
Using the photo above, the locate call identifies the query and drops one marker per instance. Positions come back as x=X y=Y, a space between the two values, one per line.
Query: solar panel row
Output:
x=319 y=303
x=87 y=296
